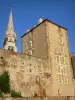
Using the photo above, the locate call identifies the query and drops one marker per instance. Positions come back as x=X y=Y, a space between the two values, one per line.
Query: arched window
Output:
x=8 y=38
x=10 y=48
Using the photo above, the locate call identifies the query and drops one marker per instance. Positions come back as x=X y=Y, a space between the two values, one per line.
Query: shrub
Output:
x=35 y=94
x=15 y=94
x=4 y=83
x=1 y=94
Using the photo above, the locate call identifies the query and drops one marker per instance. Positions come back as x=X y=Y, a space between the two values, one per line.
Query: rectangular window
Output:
x=57 y=58
x=61 y=60
x=61 y=49
x=61 y=40
x=30 y=42
x=12 y=48
x=59 y=80
x=66 y=80
x=30 y=52
x=65 y=70
x=9 y=48
x=58 y=69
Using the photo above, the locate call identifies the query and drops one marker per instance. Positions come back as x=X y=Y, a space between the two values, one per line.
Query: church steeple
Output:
x=10 y=23
x=10 y=36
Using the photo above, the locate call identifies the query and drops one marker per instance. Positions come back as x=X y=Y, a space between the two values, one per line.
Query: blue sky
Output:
x=27 y=12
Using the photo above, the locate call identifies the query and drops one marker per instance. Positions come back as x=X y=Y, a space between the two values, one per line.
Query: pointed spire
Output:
x=10 y=23
x=10 y=28
x=10 y=36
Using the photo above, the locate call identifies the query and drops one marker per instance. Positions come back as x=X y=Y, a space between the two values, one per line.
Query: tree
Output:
x=4 y=83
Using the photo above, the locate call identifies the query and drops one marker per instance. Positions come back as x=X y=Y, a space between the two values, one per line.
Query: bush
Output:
x=35 y=94
x=1 y=94
x=15 y=94
x=4 y=83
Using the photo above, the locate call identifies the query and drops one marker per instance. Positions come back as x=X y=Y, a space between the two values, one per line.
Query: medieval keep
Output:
x=44 y=66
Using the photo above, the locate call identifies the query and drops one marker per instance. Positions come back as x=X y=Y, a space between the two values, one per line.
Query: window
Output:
x=62 y=80
x=22 y=62
x=30 y=52
x=33 y=51
x=10 y=48
x=61 y=39
x=30 y=42
x=12 y=39
x=57 y=58
x=66 y=80
x=8 y=38
x=61 y=49
x=65 y=70
x=59 y=31
x=62 y=60
x=59 y=80
x=65 y=60
x=58 y=69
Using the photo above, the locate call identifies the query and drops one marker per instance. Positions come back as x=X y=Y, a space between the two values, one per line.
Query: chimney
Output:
x=40 y=20
x=27 y=30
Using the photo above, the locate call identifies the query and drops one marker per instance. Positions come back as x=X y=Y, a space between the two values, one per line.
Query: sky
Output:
x=27 y=12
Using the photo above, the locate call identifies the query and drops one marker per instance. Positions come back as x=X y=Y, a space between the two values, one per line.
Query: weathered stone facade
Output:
x=50 y=43
x=44 y=66
x=42 y=98
x=26 y=72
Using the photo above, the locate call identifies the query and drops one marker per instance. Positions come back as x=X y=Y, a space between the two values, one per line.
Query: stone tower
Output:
x=49 y=41
x=10 y=36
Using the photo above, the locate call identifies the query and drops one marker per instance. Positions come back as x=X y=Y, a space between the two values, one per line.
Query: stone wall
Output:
x=73 y=64
x=28 y=74
x=44 y=98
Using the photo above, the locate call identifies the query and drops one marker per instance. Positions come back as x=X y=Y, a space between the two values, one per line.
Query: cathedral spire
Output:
x=10 y=23
x=10 y=36
x=10 y=28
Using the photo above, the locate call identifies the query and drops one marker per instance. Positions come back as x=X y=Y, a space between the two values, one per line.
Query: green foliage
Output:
x=1 y=94
x=5 y=85
x=35 y=94
x=15 y=94
x=4 y=82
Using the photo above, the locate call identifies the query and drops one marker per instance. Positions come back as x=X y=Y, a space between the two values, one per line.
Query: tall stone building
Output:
x=44 y=66
x=49 y=42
